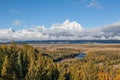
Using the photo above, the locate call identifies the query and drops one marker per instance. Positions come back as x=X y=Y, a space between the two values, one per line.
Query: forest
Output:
x=27 y=62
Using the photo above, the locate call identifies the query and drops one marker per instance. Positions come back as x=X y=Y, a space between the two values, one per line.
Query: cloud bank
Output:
x=65 y=31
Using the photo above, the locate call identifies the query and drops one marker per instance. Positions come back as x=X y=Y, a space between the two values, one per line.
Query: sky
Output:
x=59 y=19
x=20 y=14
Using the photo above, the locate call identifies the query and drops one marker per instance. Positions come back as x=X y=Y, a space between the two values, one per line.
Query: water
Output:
x=81 y=55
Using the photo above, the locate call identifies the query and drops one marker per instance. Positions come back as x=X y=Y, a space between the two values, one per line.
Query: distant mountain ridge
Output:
x=67 y=42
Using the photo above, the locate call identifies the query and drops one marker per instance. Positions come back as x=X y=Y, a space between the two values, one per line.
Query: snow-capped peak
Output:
x=11 y=30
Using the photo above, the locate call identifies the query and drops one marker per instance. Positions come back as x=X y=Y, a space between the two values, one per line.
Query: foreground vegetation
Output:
x=23 y=62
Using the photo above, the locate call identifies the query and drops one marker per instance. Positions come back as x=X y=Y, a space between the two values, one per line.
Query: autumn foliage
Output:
x=23 y=62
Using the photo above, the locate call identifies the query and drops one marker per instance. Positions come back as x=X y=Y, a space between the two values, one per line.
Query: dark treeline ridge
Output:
x=63 y=42
x=23 y=62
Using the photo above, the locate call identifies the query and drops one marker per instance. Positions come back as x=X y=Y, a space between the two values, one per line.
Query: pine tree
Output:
x=7 y=71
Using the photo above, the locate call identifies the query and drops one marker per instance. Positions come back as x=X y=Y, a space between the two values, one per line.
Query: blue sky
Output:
x=20 y=14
